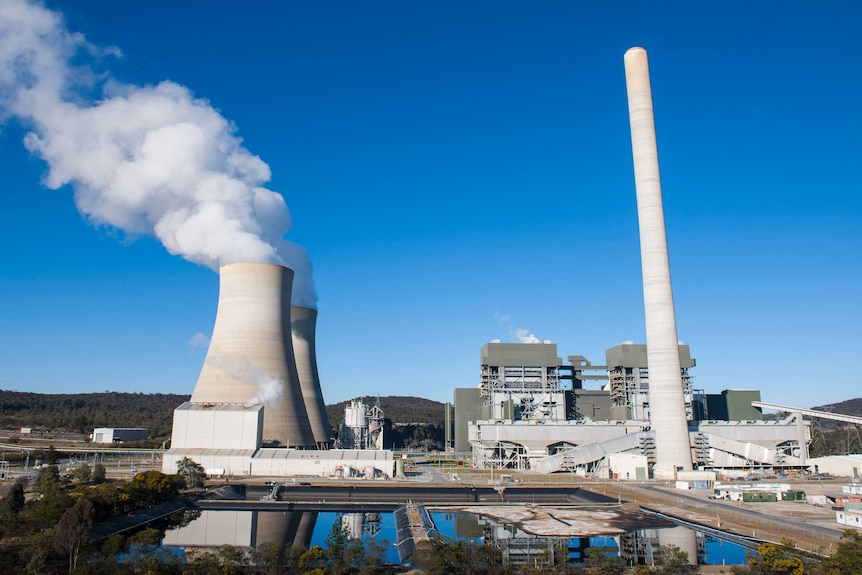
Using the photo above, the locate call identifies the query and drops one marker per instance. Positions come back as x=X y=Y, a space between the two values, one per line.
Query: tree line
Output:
x=410 y=421
x=81 y=412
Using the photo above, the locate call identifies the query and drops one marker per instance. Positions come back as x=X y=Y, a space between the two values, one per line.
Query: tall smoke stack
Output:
x=667 y=402
x=303 y=323
x=250 y=358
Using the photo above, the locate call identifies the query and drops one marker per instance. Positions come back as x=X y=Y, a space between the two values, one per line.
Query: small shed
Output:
x=119 y=434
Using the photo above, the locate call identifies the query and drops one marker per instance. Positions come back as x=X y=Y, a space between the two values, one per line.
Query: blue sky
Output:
x=460 y=171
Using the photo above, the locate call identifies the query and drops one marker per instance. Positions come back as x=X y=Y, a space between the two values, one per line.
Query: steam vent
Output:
x=251 y=356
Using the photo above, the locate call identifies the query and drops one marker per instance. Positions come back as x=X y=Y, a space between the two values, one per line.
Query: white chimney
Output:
x=667 y=402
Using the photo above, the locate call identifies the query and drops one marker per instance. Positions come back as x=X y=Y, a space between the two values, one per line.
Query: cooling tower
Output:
x=303 y=326
x=667 y=402
x=250 y=358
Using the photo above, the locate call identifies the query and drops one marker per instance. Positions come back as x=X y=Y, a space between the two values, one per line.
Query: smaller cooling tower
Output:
x=303 y=326
x=250 y=358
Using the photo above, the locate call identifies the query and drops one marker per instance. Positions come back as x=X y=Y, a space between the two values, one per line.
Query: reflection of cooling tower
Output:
x=667 y=402
x=250 y=358
x=683 y=538
x=303 y=326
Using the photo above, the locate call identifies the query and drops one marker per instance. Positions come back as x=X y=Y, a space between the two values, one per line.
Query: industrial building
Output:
x=530 y=411
x=257 y=408
x=628 y=380
x=119 y=434
x=838 y=465
x=648 y=412
x=362 y=427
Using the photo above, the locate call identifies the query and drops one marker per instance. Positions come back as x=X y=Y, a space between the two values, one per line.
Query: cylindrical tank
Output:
x=355 y=415
x=303 y=322
x=667 y=402
x=250 y=358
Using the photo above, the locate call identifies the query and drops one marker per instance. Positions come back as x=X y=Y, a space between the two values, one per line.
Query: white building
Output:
x=838 y=465
x=228 y=437
x=119 y=434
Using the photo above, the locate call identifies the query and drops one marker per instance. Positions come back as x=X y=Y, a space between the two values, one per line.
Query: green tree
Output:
x=671 y=560
x=13 y=501
x=437 y=557
x=847 y=559
x=153 y=486
x=51 y=455
x=774 y=559
x=313 y=559
x=270 y=558
x=337 y=541
x=83 y=474
x=98 y=473
x=74 y=529
x=38 y=561
x=599 y=561
x=192 y=472
x=48 y=480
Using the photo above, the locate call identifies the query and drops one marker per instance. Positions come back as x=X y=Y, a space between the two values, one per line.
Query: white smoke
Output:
x=518 y=334
x=150 y=160
x=524 y=335
x=269 y=391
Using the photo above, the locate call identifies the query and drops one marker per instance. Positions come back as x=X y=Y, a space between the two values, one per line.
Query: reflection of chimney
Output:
x=303 y=323
x=251 y=345
x=667 y=402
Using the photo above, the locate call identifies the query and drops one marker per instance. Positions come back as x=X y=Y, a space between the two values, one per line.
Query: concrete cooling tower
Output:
x=303 y=326
x=251 y=358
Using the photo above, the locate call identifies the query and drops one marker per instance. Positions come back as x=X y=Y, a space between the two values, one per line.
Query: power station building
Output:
x=257 y=408
x=530 y=411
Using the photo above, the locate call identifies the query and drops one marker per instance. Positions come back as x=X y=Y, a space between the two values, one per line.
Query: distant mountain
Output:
x=849 y=407
x=397 y=409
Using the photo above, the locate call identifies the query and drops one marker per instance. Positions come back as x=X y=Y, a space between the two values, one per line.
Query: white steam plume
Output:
x=269 y=391
x=524 y=335
x=150 y=160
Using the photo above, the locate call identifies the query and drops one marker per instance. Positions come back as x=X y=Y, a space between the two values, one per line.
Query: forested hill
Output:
x=397 y=409
x=848 y=407
x=81 y=412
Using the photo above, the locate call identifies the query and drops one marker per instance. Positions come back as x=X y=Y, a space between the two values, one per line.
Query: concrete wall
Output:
x=635 y=355
x=217 y=426
x=593 y=403
x=283 y=462
x=517 y=354
x=468 y=407
x=739 y=407
x=734 y=405
x=628 y=466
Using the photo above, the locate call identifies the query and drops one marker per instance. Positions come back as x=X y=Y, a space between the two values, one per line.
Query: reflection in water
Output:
x=359 y=525
x=245 y=529
x=250 y=529
x=634 y=548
